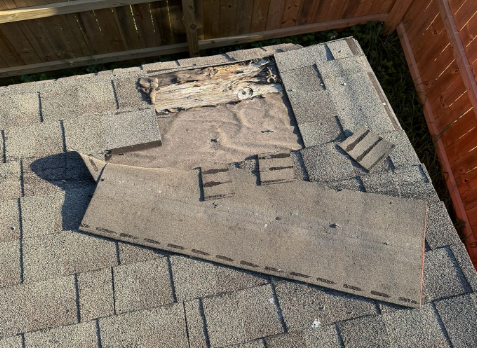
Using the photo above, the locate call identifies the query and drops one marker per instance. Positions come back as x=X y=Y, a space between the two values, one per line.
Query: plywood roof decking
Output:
x=205 y=304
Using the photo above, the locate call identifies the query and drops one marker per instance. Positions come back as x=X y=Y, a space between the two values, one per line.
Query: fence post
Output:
x=395 y=15
x=190 y=23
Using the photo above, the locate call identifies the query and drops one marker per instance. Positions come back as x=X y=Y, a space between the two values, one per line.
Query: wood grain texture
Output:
x=54 y=8
x=190 y=23
x=441 y=150
x=211 y=10
x=307 y=9
x=260 y=15
x=228 y=17
x=244 y=16
x=396 y=15
x=290 y=13
x=275 y=14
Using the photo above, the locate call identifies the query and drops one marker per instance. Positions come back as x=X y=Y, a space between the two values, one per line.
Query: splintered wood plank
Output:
x=211 y=9
x=228 y=17
x=275 y=14
x=307 y=8
x=210 y=86
x=160 y=15
x=363 y=244
x=290 y=13
x=260 y=14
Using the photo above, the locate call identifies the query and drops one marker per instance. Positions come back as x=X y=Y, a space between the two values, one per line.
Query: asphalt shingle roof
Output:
x=60 y=287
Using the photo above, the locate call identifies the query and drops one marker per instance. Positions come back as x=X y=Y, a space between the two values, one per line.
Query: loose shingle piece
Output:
x=367 y=148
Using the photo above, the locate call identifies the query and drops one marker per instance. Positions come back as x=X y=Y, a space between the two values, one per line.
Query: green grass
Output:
x=389 y=64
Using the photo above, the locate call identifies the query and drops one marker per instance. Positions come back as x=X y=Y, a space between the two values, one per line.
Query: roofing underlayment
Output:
x=63 y=287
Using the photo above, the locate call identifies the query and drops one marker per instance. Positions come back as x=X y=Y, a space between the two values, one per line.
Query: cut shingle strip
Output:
x=367 y=148
x=276 y=168
x=195 y=324
x=339 y=49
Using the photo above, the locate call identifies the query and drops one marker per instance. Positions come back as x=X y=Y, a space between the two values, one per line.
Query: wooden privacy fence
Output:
x=437 y=37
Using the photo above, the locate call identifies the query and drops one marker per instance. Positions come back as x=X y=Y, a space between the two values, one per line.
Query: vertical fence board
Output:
x=145 y=25
x=275 y=14
x=94 y=37
x=244 y=16
x=110 y=32
x=126 y=24
x=320 y=11
x=350 y=9
x=335 y=9
x=228 y=17
x=290 y=13
x=305 y=16
x=8 y=53
x=364 y=8
x=176 y=19
x=260 y=14
x=160 y=15
x=211 y=9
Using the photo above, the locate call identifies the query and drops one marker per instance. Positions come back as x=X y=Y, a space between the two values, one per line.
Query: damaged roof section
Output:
x=184 y=300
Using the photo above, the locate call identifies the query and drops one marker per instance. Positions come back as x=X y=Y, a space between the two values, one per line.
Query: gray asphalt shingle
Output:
x=142 y=285
x=95 y=293
x=223 y=305
x=158 y=327
x=241 y=316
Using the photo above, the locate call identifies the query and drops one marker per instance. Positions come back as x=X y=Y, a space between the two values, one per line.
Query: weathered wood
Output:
x=459 y=52
x=275 y=14
x=228 y=17
x=211 y=9
x=210 y=86
x=190 y=23
x=244 y=16
x=95 y=59
x=260 y=15
x=395 y=16
x=302 y=29
x=48 y=10
x=428 y=113
x=307 y=9
x=290 y=13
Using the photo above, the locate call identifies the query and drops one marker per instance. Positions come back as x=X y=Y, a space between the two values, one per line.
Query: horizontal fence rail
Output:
x=438 y=37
